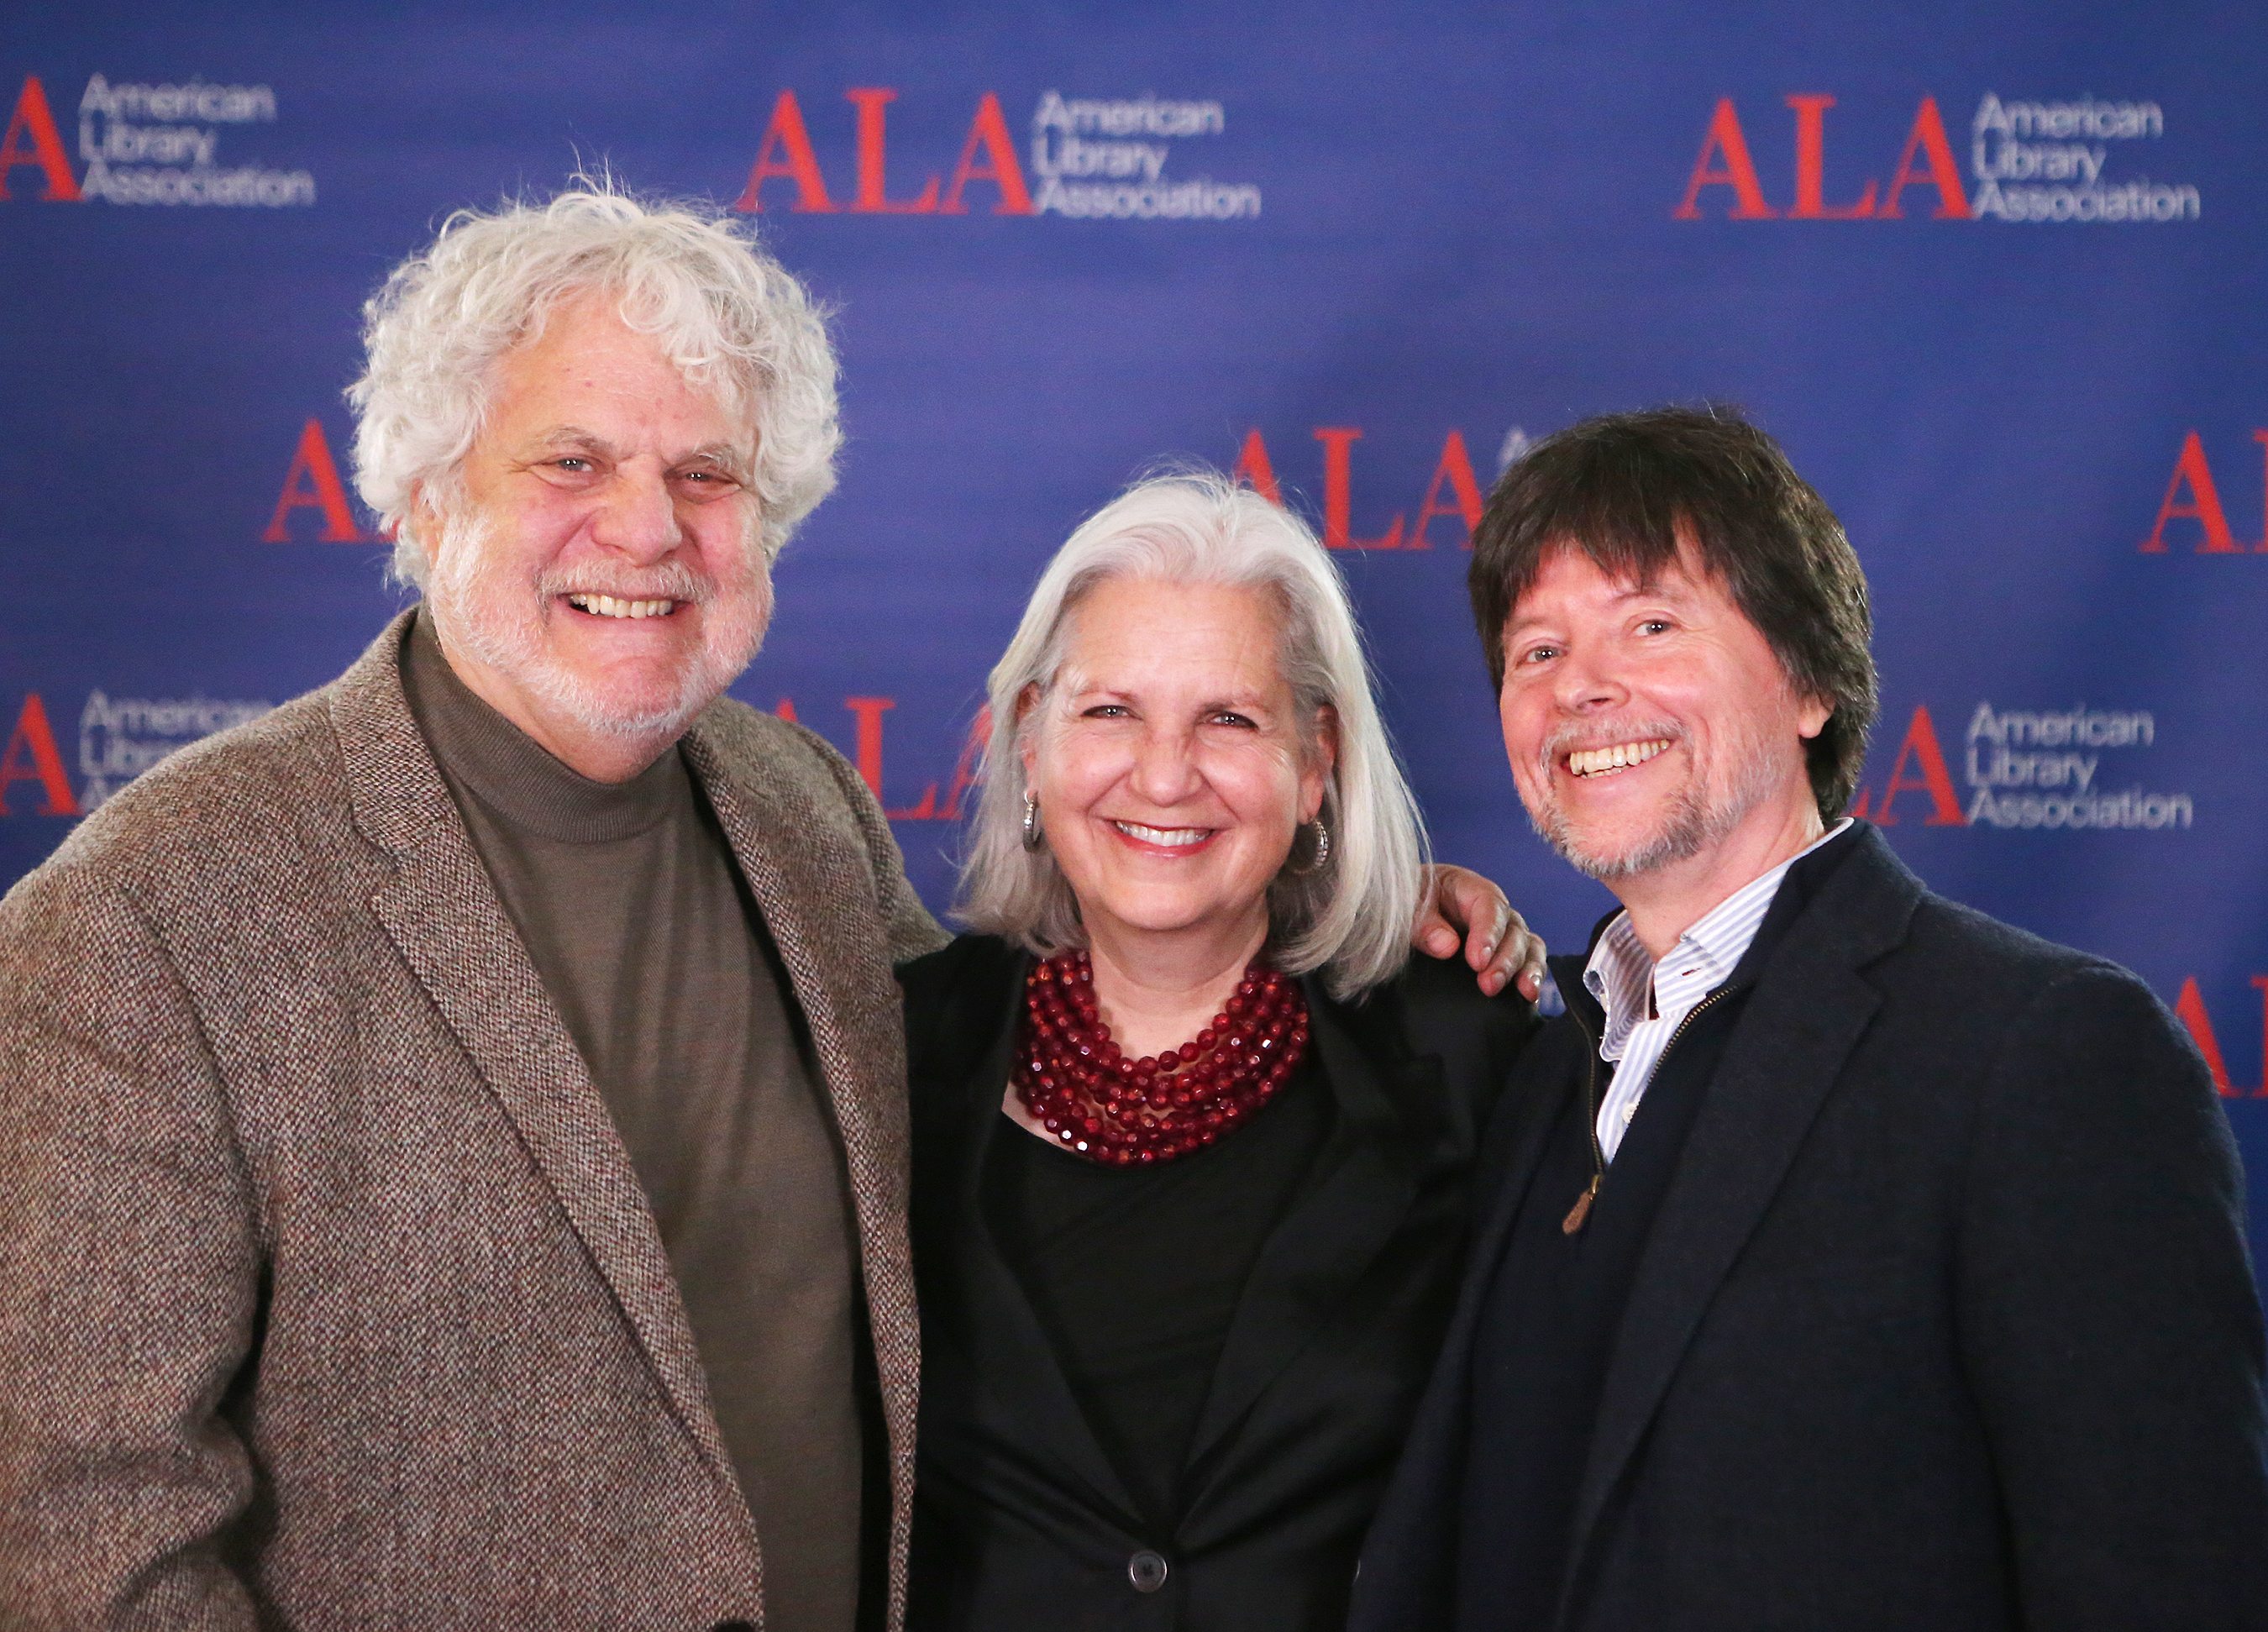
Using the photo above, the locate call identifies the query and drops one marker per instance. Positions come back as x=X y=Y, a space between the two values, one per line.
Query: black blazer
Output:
x=1021 y=1521
x=1944 y=1321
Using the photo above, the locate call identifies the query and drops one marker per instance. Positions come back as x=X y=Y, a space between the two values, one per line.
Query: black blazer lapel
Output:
x=1808 y=1010
x=1406 y=1580
x=1032 y=1398
x=1532 y=1104
x=1324 y=1245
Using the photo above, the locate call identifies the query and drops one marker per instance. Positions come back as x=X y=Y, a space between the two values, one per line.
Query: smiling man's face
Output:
x=1651 y=726
x=600 y=583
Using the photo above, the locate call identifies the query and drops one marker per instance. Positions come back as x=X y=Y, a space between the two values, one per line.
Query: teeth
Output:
x=1598 y=761
x=1176 y=836
x=613 y=606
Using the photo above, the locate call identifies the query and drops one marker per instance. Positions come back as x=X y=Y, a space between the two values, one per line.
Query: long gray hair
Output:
x=1348 y=918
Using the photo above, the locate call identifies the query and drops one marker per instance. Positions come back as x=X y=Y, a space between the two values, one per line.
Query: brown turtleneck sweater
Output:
x=629 y=901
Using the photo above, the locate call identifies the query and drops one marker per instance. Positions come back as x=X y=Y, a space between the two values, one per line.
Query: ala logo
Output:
x=149 y=145
x=1451 y=493
x=1094 y=159
x=2029 y=768
x=2032 y=161
x=120 y=739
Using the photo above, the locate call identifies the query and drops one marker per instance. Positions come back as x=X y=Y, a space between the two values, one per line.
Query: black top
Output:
x=1134 y=1272
x=1348 y=1200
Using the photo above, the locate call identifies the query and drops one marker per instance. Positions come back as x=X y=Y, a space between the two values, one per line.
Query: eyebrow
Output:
x=728 y=455
x=1660 y=586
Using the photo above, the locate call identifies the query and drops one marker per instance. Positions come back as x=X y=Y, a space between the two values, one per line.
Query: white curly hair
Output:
x=730 y=316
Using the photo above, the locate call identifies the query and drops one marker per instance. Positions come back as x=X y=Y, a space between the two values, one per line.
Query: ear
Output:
x=424 y=524
x=1316 y=775
x=1811 y=716
x=1027 y=747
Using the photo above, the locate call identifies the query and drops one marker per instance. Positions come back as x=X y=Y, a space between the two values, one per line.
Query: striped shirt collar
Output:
x=1631 y=987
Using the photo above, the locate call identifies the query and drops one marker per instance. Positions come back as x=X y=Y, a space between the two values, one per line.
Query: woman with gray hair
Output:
x=1191 y=1130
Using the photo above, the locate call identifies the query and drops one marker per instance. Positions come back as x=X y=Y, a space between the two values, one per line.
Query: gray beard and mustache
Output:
x=504 y=630
x=1688 y=827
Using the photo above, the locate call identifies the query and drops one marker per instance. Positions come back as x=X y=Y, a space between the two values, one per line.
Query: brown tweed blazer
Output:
x=328 y=1297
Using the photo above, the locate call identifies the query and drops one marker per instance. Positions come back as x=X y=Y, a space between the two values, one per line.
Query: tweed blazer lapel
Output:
x=1810 y=1005
x=816 y=889
x=442 y=912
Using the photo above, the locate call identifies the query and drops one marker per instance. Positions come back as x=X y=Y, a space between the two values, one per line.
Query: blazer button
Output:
x=1146 y=1571
x=731 y=1626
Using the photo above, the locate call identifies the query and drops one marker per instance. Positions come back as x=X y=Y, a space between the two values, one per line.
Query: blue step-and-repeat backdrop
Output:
x=1994 y=276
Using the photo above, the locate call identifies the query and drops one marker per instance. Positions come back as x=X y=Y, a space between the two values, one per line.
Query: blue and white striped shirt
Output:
x=1645 y=1001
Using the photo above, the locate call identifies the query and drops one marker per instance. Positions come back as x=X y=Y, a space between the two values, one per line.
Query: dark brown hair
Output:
x=1620 y=487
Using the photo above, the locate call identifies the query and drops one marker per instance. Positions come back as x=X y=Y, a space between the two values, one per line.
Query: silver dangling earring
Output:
x=1321 y=858
x=1032 y=835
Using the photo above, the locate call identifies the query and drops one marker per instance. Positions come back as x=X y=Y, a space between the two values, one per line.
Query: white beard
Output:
x=503 y=629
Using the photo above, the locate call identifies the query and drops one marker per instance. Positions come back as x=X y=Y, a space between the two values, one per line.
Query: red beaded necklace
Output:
x=1081 y=1087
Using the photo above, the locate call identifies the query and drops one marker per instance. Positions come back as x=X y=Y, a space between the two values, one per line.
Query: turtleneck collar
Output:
x=514 y=775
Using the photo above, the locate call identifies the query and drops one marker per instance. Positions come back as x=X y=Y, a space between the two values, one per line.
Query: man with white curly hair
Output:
x=455 y=1126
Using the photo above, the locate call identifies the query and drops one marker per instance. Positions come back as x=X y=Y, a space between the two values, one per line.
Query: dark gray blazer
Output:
x=1944 y=1321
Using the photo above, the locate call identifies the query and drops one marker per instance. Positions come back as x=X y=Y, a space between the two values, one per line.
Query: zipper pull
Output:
x=1581 y=1209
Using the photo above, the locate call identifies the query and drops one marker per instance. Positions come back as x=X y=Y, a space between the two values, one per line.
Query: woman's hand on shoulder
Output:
x=1462 y=908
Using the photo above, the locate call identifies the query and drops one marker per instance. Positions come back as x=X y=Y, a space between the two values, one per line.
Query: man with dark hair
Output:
x=1845 y=1259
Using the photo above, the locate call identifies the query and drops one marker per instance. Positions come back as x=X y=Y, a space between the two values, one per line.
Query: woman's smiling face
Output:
x=1168 y=759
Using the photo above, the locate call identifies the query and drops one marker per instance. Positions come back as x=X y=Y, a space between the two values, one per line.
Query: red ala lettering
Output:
x=2202 y=506
x=1920 y=748
x=873 y=158
x=32 y=140
x=990 y=131
x=1739 y=173
x=966 y=768
x=964 y=776
x=1811 y=166
x=1927 y=137
x=32 y=737
x=1338 y=494
x=313 y=483
x=869 y=712
x=2189 y=1008
x=786 y=710
x=1253 y=466
x=1455 y=469
x=785 y=136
